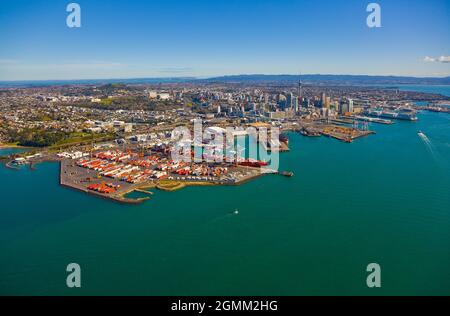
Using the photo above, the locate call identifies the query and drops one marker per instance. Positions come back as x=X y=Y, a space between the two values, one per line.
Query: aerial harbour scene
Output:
x=291 y=171
x=137 y=155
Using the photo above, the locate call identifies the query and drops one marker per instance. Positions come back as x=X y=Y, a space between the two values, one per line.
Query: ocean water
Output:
x=444 y=90
x=382 y=199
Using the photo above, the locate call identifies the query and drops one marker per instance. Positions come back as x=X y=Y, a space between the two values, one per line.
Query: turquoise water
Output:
x=382 y=199
x=10 y=151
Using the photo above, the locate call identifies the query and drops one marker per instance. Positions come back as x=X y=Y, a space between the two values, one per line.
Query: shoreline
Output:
x=14 y=146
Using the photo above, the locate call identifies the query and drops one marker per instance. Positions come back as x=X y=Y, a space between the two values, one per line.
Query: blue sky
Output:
x=167 y=38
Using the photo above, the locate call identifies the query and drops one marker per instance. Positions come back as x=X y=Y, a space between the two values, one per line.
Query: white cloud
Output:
x=442 y=59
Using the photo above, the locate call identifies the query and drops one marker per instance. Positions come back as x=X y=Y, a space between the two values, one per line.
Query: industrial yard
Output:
x=113 y=173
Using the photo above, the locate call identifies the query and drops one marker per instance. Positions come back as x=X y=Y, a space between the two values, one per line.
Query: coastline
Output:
x=13 y=146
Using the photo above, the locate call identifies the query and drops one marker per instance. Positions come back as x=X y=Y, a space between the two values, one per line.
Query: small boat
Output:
x=420 y=133
x=287 y=174
x=309 y=133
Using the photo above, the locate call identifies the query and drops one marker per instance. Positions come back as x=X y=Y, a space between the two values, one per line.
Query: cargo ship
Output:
x=253 y=163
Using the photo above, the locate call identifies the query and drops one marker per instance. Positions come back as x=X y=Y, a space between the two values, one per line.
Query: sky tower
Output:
x=300 y=90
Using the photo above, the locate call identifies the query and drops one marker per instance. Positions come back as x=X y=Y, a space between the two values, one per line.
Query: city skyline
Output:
x=207 y=39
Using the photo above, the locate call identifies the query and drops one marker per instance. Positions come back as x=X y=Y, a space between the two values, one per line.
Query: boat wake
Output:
x=221 y=218
x=429 y=145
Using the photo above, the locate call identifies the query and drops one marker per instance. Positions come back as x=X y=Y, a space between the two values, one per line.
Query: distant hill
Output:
x=44 y=83
x=257 y=78
x=330 y=79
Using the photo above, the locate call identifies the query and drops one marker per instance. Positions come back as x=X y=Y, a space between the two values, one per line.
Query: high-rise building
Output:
x=295 y=104
x=282 y=101
x=350 y=105
x=344 y=107
x=289 y=99
x=323 y=100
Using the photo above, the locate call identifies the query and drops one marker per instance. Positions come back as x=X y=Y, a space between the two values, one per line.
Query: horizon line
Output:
x=224 y=76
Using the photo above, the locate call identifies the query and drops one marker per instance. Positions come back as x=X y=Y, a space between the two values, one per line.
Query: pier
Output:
x=345 y=134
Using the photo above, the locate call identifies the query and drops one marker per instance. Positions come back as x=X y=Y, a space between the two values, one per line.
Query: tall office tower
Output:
x=295 y=104
x=350 y=105
x=323 y=100
x=289 y=99
x=344 y=107
x=281 y=101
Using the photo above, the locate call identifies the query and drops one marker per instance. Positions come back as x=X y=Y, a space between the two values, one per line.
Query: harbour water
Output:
x=444 y=90
x=383 y=199
x=10 y=151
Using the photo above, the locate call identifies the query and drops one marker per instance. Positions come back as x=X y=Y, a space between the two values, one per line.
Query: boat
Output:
x=402 y=114
x=288 y=174
x=421 y=134
x=407 y=116
x=253 y=163
x=309 y=133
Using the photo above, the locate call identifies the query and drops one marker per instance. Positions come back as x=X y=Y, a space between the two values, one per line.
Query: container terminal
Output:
x=115 y=173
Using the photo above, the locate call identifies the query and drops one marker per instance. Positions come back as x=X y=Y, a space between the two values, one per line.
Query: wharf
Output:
x=78 y=178
x=344 y=134
x=373 y=120
x=74 y=177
